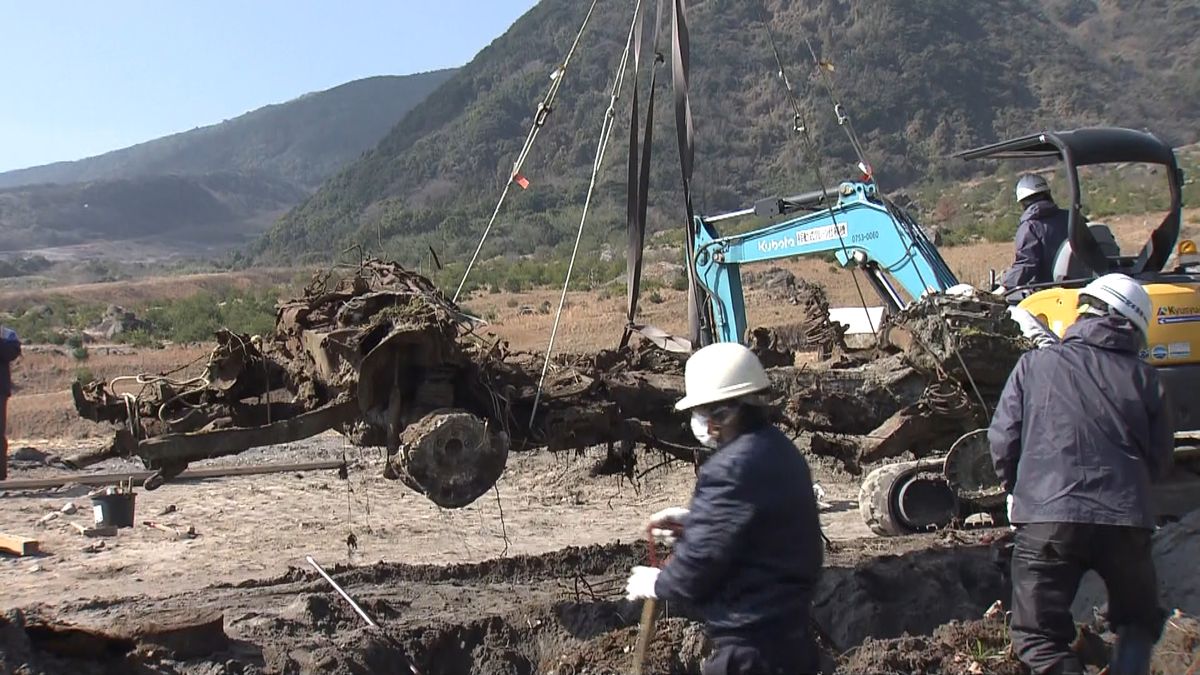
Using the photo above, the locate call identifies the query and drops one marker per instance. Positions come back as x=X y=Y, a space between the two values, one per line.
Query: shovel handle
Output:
x=645 y=632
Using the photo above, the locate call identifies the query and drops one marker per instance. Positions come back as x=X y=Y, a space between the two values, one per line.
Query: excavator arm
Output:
x=861 y=229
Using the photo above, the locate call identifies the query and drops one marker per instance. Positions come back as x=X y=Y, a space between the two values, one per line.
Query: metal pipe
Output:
x=341 y=592
x=103 y=479
x=412 y=668
x=730 y=216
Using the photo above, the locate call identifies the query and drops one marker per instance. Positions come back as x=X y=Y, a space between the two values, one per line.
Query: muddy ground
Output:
x=537 y=591
x=556 y=613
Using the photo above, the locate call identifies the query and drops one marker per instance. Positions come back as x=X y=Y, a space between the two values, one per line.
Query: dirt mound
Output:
x=559 y=613
x=914 y=593
x=1176 y=552
x=958 y=648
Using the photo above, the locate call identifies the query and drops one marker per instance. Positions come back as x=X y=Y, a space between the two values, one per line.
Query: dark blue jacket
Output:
x=10 y=349
x=751 y=549
x=1082 y=429
x=1042 y=231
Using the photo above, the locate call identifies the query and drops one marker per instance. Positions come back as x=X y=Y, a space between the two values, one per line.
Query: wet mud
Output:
x=561 y=613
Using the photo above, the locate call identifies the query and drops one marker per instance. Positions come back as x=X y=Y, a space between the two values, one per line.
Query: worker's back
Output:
x=1041 y=233
x=1094 y=429
x=769 y=583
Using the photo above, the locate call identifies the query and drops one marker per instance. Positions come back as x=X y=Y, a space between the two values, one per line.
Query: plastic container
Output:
x=114 y=509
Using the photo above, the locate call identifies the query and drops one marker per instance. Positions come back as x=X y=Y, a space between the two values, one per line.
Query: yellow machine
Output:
x=1174 y=335
x=1169 y=270
x=904 y=497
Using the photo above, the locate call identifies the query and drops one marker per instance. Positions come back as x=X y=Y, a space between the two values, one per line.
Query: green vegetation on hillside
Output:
x=62 y=320
x=921 y=79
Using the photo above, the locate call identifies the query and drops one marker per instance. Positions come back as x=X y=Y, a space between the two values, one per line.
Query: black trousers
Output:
x=1048 y=562
x=3 y=438
x=794 y=655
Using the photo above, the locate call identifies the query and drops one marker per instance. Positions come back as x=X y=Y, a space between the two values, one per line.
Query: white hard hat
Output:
x=721 y=372
x=1123 y=295
x=1031 y=184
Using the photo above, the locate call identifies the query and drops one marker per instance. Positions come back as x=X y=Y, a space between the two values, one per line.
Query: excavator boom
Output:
x=861 y=229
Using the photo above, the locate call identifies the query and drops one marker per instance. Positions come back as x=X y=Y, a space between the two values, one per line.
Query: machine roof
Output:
x=1093 y=145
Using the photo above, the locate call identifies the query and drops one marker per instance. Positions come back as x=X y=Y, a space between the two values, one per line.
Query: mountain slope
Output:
x=921 y=79
x=220 y=186
x=302 y=141
x=208 y=209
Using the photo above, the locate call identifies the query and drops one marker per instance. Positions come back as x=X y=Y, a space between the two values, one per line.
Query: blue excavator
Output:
x=865 y=231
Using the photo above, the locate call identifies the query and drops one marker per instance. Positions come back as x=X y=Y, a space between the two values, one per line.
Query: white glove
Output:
x=665 y=525
x=641 y=583
x=819 y=495
x=1009 y=500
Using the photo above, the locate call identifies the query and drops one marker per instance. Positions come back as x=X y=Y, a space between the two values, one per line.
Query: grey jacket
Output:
x=1042 y=231
x=751 y=550
x=1082 y=429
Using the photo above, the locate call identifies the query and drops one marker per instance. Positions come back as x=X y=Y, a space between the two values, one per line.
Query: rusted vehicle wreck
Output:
x=384 y=358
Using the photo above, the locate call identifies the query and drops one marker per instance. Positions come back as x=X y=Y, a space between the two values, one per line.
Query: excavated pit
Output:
x=559 y=613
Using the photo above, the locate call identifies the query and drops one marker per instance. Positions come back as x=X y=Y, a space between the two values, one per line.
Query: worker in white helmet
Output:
x=748 y=550
x=1041 y=232
x=1081 y=432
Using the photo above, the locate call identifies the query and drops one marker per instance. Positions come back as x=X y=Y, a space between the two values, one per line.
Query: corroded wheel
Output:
x=968 y=468
x=451 y=457
x=904 y=498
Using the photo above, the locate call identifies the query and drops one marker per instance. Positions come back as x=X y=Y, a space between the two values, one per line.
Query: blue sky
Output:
x=78 y=78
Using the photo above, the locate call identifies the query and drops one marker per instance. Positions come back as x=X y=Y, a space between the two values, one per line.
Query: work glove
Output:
x=666 y=525
x=819 y=495
x=1009 y=501
x=641 y=583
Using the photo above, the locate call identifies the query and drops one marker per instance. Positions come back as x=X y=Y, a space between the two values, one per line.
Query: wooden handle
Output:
x=644 y=634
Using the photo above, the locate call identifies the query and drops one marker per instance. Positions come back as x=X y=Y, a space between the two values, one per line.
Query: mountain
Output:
x=218 y=185
x=302 y=141
x=172 y=210
x=920 y=79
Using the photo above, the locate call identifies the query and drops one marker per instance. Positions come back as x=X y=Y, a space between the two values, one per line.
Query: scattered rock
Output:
x=69 y=508
x=116 y=320
x=46 y=519
x=170 y=508
x=29 y=455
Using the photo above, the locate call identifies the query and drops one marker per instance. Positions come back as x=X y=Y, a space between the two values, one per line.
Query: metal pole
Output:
x=411 y=667
x=341 y=592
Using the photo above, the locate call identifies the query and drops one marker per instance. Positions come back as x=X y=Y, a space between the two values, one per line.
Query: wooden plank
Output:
x=103 y=479
x=96 y=531
x=11 y=543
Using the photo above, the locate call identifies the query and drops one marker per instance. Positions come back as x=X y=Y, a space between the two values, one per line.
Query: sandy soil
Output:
x=258 y=525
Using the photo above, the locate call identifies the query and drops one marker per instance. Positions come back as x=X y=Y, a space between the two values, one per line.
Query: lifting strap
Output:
x=638 y=199
x=698 y=327
x=639 y=178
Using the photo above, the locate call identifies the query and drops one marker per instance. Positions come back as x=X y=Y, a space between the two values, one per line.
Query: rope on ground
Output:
x=539 y=120
x=601 y=146
x=503 y=526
